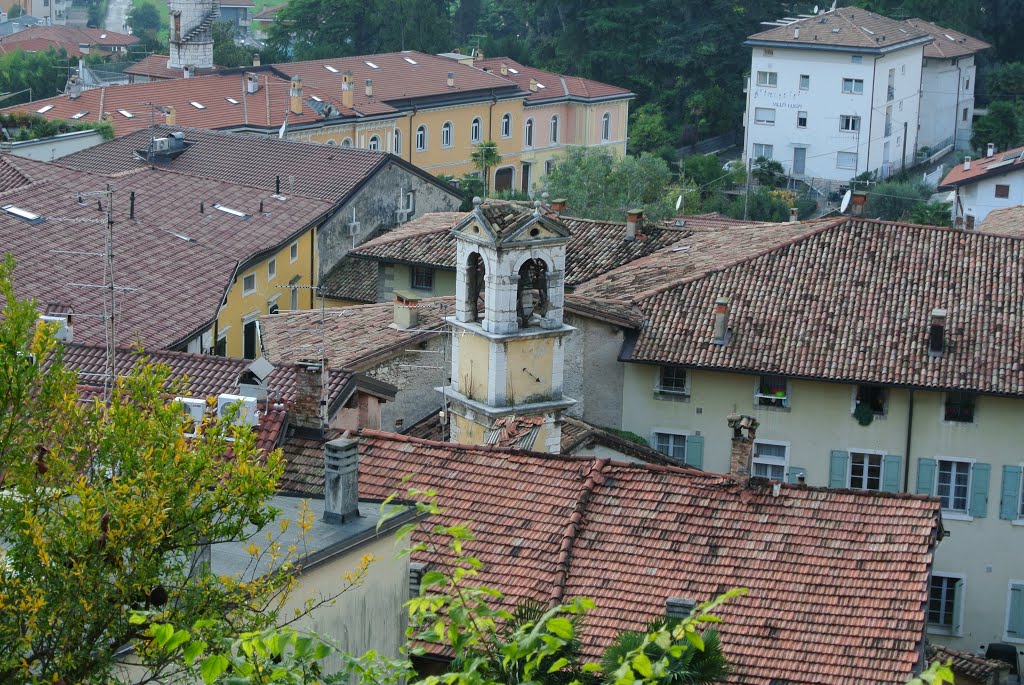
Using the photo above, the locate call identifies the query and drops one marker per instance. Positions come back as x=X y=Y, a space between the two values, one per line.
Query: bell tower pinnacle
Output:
x=508 y=335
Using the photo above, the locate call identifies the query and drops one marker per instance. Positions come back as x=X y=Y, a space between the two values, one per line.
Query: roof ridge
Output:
x=595 y=478
x=399 y=437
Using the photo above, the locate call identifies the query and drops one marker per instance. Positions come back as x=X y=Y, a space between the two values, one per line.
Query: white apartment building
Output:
x=836 y=94
x=947 y=87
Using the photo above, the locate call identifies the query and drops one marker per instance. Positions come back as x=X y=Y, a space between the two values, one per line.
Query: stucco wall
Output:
x=394 y=277
x=593 y=376
x=416 y=396
x=978 y=199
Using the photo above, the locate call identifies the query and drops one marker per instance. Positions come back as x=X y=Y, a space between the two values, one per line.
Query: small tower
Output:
x=508 y=336
x=191 y=33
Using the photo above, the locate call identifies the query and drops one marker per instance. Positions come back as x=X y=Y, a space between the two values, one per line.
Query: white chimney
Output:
x=721 y=321
x=796 y=32
x=84 y=48
x=406 y=312
x=190 y=70
x=256 y=59
x=369 y=87
x=967 y=163
x=794 y=215
x=252 y=82
x=74 y=87
x=633 y=218
x=341 y=480
x=451 y=79
x=991 y=149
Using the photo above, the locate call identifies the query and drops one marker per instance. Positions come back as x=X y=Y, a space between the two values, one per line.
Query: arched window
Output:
x=532 y=295
x=554 y=128
x=346 y=142
x=474 y=131
x=332 y=141
x=606 y=127
x=396 y=142
x=504 y=179
x=506 y=126
x=475 y=272
x=374 y=143
x=528 y=135
x=421 y=138
x=446 y=134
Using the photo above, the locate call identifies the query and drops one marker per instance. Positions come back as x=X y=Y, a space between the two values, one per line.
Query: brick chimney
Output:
x=633 y=218
x=170 y=116
x=295 y=95
x=341 y=480
x=309 y=410
x=347 y=96
x=741 y=454
x=559 y=205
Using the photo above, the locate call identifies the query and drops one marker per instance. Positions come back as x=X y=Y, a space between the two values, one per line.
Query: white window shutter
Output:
x=958 y=607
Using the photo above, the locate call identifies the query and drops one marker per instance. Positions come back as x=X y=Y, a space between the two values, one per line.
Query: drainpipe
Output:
x=871 y=115
x=906 y=459
x=411 y=141
x=956 y=110
x=490 y=116
x=312 y=273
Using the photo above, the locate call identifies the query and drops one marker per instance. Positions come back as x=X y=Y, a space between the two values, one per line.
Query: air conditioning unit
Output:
x=65 y=332
x=193 y=408
x=247 y=415
x=402 y=215
x=161 y=144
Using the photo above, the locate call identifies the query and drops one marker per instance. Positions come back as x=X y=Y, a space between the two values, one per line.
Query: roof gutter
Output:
x=762 y=43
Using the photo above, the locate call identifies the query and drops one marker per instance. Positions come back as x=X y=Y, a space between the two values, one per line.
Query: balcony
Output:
x=890 y=93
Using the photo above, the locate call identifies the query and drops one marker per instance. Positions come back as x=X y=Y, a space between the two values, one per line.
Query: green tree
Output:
x=649 y=133
x=15 y=11
x=1002 y=126
x=1006 y=81
x=601 y=185
x=484 y=156
x=896 y=200
x=692 y=667
x=145 y=21
x=706 y=172
x=45 y=72
x=226 y=52
x=931 y=214
x=768 y=172
x=106 y=509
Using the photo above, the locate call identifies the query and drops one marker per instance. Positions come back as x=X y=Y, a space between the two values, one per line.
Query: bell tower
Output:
x=507 y=333
x=191 y=33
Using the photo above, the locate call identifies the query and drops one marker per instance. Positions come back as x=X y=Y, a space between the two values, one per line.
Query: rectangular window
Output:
x=764 y=115
x=963 y=115
x=770 y=460
x=960 y=407
x=293 y=252
x=422 y=278
x=846 y=160
x=848 y=122
x=805 y=81
x=853 y=86
x=772 y=391
x=944 y=600
x=952 y=484
x=967 y=83
x=801 y=119
x=673 y=379
x=671 y=444
x=856 y=59
x=220 y=349
x=874 y=396
x=762 y=150
x=1002 y=191
x=248 y=284
x=271 y=268
x=767 y=79
x=865 y=471
x=294 y=293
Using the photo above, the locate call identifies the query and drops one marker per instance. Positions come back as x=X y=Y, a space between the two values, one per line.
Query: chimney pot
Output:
x=633 y=218
x=967 y=163
x=937 y=332
x=451 y=79
x=341 y=480
x=504 y=69
x=406 y=312
x=559 y=205
x=991 y=150
x=794 y=215
x=256 y=59
x=721 y=321
x=170 y=116
x=295 y=93
x=347 y=96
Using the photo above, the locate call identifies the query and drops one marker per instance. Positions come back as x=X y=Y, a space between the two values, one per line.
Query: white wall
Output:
x=825 y=102
x=947 y=89
x=53 y=147
x=988 y=551
x=978 y=199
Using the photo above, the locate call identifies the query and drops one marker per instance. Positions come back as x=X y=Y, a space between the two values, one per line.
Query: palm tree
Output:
x=484 y=156
x=692 y=667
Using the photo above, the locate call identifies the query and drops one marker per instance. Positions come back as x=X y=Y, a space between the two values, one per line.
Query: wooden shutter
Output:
x=980 y=474
x=1009 y=501
x=958 y=607
x=1015 y=621
x=795 y=472
x=838 y=469
x=695 y=451
x=926 y=476
x=892 y=465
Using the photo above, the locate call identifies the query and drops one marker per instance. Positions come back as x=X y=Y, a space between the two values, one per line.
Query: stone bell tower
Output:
x=508 y=336
x=191 y=33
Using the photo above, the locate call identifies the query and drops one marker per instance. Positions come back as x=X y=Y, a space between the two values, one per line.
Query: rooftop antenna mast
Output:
x=446 y=332
x=324 y=375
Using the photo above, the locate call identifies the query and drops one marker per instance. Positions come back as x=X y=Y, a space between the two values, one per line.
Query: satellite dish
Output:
x=815 y=9
x=679 y=202
x=846 y=201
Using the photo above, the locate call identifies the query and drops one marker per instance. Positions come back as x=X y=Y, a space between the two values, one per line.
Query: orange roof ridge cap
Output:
x=594 y=479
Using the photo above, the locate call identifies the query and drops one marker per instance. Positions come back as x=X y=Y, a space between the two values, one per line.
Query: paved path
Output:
x=117 y=12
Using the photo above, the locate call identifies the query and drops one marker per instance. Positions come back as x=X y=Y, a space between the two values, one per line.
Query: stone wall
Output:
x=416 y=395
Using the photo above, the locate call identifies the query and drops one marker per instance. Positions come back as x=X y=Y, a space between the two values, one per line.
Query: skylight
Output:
x=23 y=214
x=410 y=60
x=126 y=114
x=513 y=71
x=79 y=115
x=44 y=109
x=103 y=35
x=370 y=64
x=949 y=37
x=196 y=104
x=232 y=101
x=331 y=69
x=232 y=212
x=541 y=86
x=867 y=31
x=314 y=98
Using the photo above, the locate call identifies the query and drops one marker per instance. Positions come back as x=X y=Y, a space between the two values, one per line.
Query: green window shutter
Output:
x=980 y=474
x=695 y=451
x=795 y=472
x=958 y=607
x=1015 y=622
x=1010 y=494
x=838 y=469
x=925 y=476
x=892 y=464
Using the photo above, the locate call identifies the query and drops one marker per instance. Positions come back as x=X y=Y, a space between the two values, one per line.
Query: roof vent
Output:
x=990 y=150
x=369 y=87
x=967 y=163
x=679 y=607
x=341 y=480
x=936 y=333
x=633 y=218
x=721 y=321
x=451 y=79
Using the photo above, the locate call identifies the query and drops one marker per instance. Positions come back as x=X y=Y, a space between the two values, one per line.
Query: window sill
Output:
x=941 y=630
x=771 y=407
x=1013 y=640
x=948 y=515
x=1017 y=522
x=764 y=123
x=671 y=396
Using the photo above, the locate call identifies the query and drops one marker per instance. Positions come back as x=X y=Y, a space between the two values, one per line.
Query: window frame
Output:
x=373 y=143
x=804 y=82
x=1005 y=187
x=1010 y=585
x=421 y=137
x=769 y=400
x=346 y=142
x=253 y=321
x=885 y=400
x=853 y=86
x=849 y=123
x=802 y=118
x=421 y=277
x=771 y=460
x=528 y=133
x=770 y=80
x=553 y=129
x=673 y=438
x=606 y=127
x=506 y=125
x=673 y=390
x=767 y=150
x=447 y=134
x=946 y=406
x=247 y=290
x=271 y=269
x=759 y=117
x=396 y=141
x=293 y=287
x=869 y=455
x=966 y=511
x=475 y=130
x=850 y=155
x=293 y=252
x=940 y=628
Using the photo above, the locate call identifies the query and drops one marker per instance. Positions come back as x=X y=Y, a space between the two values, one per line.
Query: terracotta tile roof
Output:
x=851 y=301
x=999 y=164
x=43 y=44
x=303 y=452
x=712 y=221
x=321 y=171
x=555 y=86
x=838 y=579
x=850 y=27
x=947 y=43
x=180 y=261
x=10 y=176
x=69 y=37
x=354 y=337
x=155 y=66
x=966 y=665
x=1008 y=221
x=514 y=431
x=616 y=312
x=269 y=14
x=351 y=279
